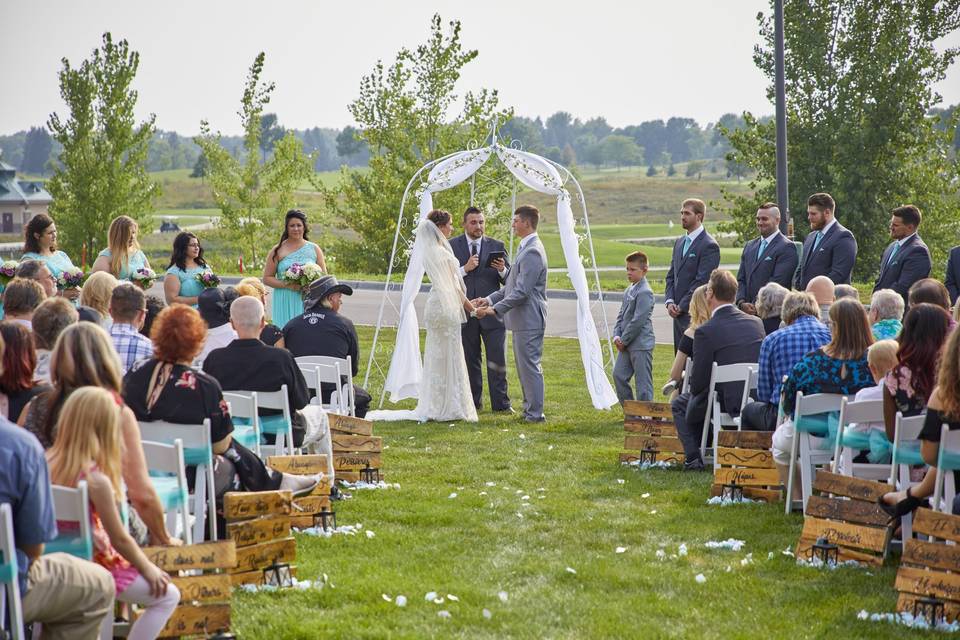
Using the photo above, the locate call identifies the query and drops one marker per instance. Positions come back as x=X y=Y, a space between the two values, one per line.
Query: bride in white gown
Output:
x=444 y=392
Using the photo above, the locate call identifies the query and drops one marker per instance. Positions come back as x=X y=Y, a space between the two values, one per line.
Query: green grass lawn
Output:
x=610 y=253
x=487 y=540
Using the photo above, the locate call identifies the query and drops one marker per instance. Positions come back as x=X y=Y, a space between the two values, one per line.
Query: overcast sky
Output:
x=626 y=61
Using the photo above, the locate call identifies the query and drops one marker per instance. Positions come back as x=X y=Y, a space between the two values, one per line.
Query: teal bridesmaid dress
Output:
x=57 y=263
x=288 y=304
x=189 y=286
x=136 y=261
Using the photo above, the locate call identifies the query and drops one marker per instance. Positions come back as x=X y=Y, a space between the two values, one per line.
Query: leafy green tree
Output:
x=102 y=173
x=651 y=171
x=36 y=150
x=254 y=194
x=270 y=133
x=402 y=114
x=695 y=168
x=859 y=85
x=671 y=170
x=201 y=168
x=621 y=151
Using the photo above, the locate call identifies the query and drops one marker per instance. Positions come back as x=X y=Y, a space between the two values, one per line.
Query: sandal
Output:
x=902 y=508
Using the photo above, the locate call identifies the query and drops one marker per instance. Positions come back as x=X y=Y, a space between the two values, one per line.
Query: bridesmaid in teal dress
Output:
x=186 y=263
x=40 y=243
x=293 y=247
x=123 y=256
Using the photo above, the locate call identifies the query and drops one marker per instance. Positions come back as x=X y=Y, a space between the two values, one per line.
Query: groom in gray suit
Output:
x=522 y=303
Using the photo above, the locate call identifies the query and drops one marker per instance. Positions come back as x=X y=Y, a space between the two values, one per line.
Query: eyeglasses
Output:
x=194 y=245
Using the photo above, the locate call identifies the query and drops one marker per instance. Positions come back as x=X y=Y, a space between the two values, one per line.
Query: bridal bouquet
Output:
x=70 y=278
x=303 y=274
x=145 y=277
x=7 y=271
x=208 y=279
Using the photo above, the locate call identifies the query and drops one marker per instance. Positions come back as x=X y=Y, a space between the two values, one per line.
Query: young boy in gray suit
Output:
x=633 y=333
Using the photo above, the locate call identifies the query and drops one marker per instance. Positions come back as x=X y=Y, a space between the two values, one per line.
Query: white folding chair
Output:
x=169 y=478
x=281 y=426
x=9 y=577
x=905 y=453
x=721 y=374
x=948 y=459
x=807 y=446
x=346 y=371
x=853 y=412
x=243 y=412
x=72 y=506
x=318 y=374
x=687 y=372
x=198 y=451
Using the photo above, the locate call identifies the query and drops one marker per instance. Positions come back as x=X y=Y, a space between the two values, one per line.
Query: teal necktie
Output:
x=896 y=248
x=763 y=247
x=816 y=242
x=686 y=245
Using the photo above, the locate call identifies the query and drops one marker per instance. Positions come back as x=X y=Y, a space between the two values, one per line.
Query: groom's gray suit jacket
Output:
x=522 y=303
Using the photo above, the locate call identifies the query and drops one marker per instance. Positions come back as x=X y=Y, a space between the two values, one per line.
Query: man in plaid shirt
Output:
x=779 y=352
x=128 y=308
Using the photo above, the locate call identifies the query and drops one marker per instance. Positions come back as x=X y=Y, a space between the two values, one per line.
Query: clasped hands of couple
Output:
x=482 y=308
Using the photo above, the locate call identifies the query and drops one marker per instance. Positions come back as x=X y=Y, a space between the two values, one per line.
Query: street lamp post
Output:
x=783 y=197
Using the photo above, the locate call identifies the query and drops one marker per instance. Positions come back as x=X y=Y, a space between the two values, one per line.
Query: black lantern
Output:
x=824 y=551
x=732 y=492
x=325 y=520
x=370 y=475
x=929 y=608
x=278 y=575
x=648 y=456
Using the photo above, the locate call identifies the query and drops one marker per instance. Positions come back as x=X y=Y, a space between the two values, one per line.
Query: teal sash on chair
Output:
x=71 y=543
x=244 y=432
x=274 y=424
x=9 y=571
x=820 y=425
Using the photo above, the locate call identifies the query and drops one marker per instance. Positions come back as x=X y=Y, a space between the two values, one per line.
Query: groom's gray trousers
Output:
x=527 y=352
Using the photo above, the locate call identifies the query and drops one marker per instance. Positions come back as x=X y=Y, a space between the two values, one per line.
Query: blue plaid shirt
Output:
x=783 y=349
x=130 y=345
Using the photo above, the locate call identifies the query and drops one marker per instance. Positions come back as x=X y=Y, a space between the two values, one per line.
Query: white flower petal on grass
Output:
x=525 y=498
x=491 y=484
x=787 y=552
x=621 y=550
x=483 y=493
x=519 y=515
x=661 y=554
x=401 y=601
x=503 y=595
x=571 y=570
x=620 y=481
x=770 y=556
x=729 y=568
x=540 y=489
x=700 y=578
x=550 y=448
x=519 y=491
x=523 y=437
x=452 y=598
x=370 y=534
x=747 y=560
x=683 y=549
x=443 y=613
x=653 y=512
x=452 y=495
x=486 y=614
x=730 y=543
x=430 y=596
x=863 y=615
x=645 y=495
x=386 y=597
x=438 y=600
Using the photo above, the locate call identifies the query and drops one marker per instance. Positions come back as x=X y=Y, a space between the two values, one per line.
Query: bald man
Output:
x=823 y=290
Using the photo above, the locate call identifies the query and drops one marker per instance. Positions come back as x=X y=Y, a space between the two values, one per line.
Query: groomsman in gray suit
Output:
x=633 y=333
x=522 y=303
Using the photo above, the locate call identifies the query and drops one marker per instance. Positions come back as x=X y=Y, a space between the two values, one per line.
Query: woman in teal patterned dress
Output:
x=186 y=263
x=40 y=243
x=123 y=256
x=292 y=248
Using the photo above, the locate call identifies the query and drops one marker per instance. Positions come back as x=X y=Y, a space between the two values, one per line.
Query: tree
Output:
x=201 y=167
x=349 y=143
x=103 y=173
x=859 y=84
x=36 y=150
x=402 y=114
x=621 y=151
x=270 y=133
x=695 y=168
x=671 y=170
x=254 y=194
x=651 y=171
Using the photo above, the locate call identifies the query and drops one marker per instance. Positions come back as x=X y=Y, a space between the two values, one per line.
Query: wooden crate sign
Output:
x=846 y=535
x=754 y=493
x=350 y=425
x=669 y=457
x=299 y=465
x=745 y=439
x=923 y=582
x=647 y=409
x=239 y=505
x=207 y=555
x=951 y=610
x=639 y=443
x=747 y=477
x=309 y=505
x=261 y=556
x=204 y=620
x=853 y=511
x=935 y=555
x=355 y=461
x=936 y=524
x=843 y=553
x=349 y=443
x=754 y=458
x=653 y=428
x=931 y=568
x=254 y=577
x=208 y=588
x=248 y=532
x=866 y=490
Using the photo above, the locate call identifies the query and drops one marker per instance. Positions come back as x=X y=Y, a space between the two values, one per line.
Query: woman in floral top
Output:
x=908 y=385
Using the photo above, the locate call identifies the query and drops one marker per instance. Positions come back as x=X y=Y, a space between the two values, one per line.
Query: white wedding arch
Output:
x=540 y=174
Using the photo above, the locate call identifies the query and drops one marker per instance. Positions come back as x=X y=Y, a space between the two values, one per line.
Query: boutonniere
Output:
x=691 y=255
x=893 y=263
x=767 y=258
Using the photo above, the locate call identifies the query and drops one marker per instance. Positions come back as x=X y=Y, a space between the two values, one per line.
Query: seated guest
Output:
x=271 y=334
x=167 y=387
x=89 y=314
x=17 y=385
x=84 y=356
x=699 y=313
x=36 y=270
x=886 y=313
x=247 y=364
x=154 y=306
x=70 y=597
x=846 y=291
x=839 y=367
x=769 y=301
x=909 y=384
x=881 y=359
x=323 y=331
x=215 y=311
x=20 y=299
x=729 y=336
x=929 y=290
x=822 y=289
x=49 y=320
x=780 y=352
x=943 y=407
x=128 y=308
x=96 y=294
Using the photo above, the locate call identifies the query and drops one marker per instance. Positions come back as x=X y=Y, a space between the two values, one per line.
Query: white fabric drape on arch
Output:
x=403 y=378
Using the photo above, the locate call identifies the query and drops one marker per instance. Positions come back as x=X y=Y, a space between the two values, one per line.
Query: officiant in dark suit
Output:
x=769 y=258
x=482 y=276
x=907 y=258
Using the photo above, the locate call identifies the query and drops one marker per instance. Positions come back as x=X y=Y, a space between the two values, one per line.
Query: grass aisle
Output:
x=581 y=506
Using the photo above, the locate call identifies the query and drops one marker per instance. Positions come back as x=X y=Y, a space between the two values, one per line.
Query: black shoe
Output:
x=902 y=508
x=696 y=464
x=507 y=410
x=535 y=419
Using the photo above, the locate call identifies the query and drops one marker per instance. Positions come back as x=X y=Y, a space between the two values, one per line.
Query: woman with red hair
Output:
x=19 y=362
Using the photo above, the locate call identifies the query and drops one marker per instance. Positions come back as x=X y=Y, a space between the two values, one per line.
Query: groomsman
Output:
x=953 y=275
x=695 y=255
x=768 y=258
x=907 y=258
x=829 y=249
x=473 y=249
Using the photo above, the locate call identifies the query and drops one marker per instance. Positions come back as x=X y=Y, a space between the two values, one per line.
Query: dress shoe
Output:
x=695 y=464
x=535 y=419
x=299 y=485
x=507 y=410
